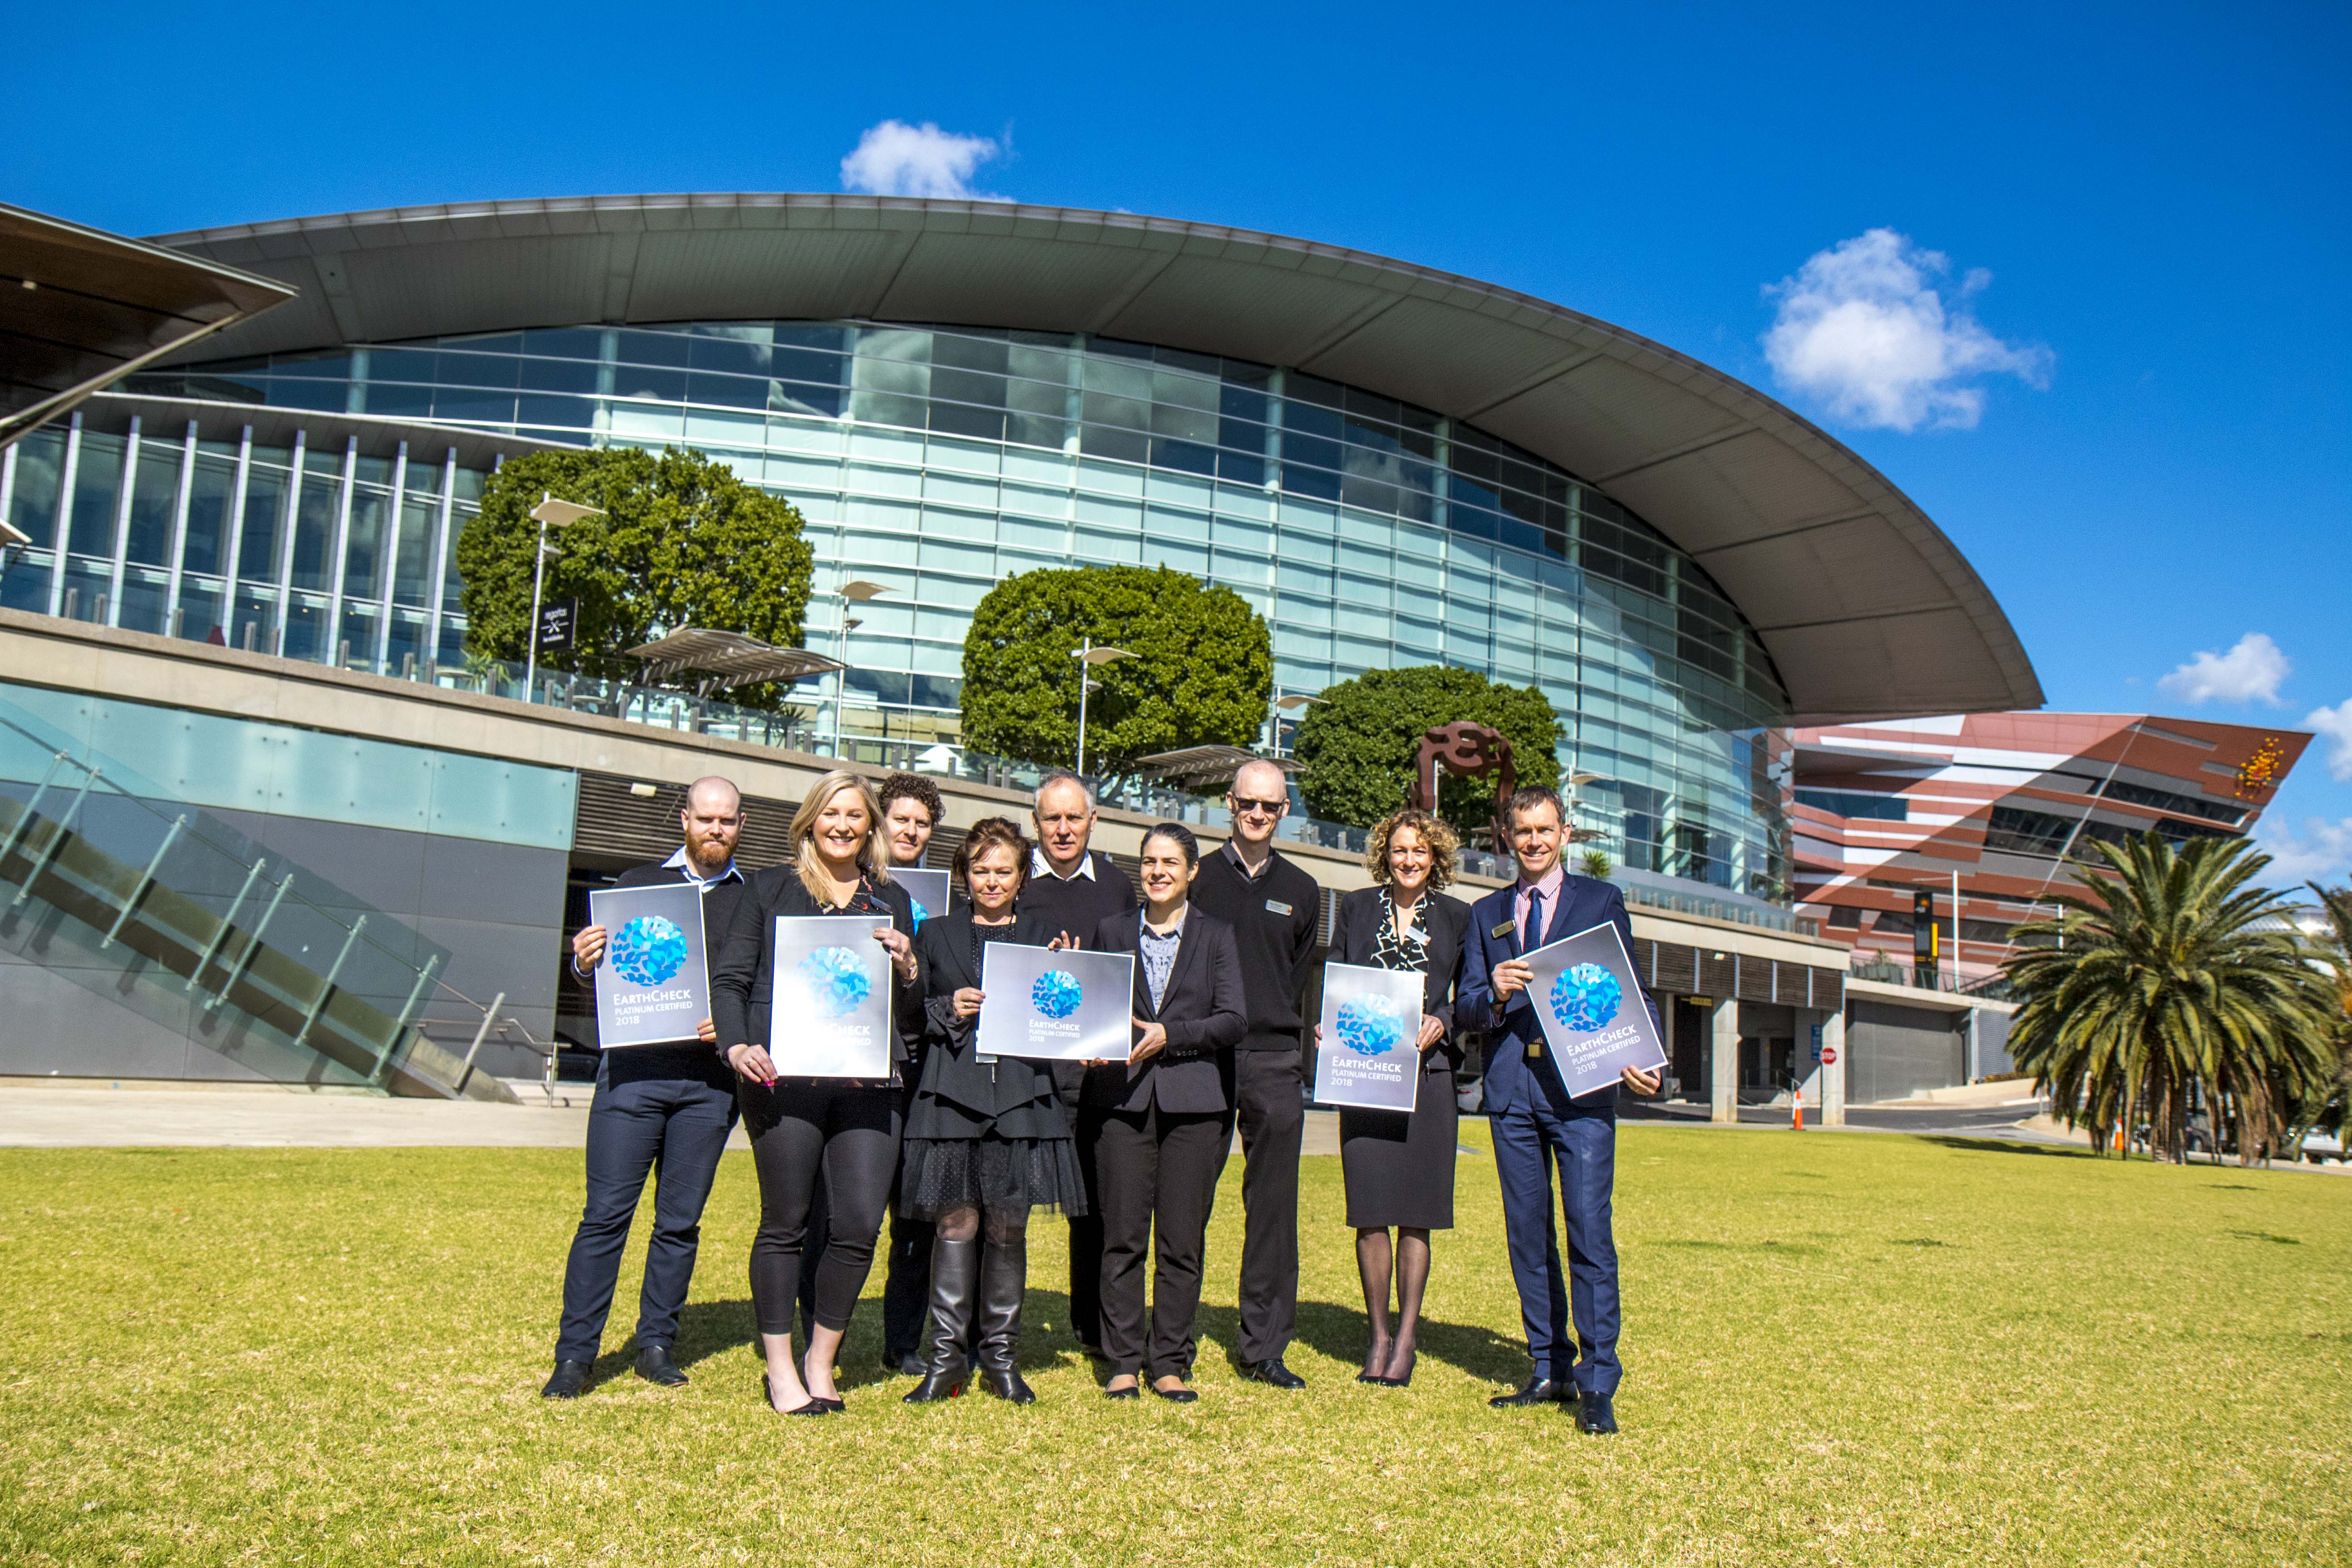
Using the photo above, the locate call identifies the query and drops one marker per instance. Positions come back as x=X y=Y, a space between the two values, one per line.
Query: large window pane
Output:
x=210 y=492
x=264 y=514
x=98 y=484
x=33 y=505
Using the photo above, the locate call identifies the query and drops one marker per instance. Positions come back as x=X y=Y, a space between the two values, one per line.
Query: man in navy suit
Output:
x=1534 y=1120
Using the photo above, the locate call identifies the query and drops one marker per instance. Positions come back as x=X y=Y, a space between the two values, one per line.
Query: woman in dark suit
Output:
x=1400 y=1168
x=986 y=1140
x=1159 y=1121
x=849 y=1128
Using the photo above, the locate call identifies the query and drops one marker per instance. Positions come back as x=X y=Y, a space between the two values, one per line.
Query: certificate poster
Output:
x=1368 y=1055
x=928 y=889
x=1056 y=1007
x=1590 y=1003
x=653 y=984
x=829 y=1014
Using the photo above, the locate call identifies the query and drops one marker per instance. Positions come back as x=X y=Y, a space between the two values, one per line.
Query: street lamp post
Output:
x=856 y=592
x=549 y=513
x=1088 y=654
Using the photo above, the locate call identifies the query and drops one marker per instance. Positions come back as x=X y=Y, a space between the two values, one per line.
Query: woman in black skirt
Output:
x=1399 y=1167
x=987 y=1141
x=847 y=1128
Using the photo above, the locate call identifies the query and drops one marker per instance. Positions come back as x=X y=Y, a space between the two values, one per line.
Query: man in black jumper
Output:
x=659 y=1109
x=1273 y=907
x=1076 y=889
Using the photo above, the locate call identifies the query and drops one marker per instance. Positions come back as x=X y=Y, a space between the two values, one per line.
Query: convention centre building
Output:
x=1395 y=466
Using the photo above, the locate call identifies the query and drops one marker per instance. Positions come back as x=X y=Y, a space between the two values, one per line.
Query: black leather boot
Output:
x=1003 y=1277
x=955 y=1267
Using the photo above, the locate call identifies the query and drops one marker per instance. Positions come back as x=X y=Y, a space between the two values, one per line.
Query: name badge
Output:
x=1505 y=929
x=1277 y=906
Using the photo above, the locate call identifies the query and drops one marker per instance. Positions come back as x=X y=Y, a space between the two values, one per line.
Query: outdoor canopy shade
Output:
x=78 y=308
x=742 y=659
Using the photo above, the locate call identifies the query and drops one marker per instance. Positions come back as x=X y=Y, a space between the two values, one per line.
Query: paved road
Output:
x=1950 y=1120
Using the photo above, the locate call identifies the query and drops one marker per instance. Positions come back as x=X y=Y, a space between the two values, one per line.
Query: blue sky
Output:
x=2126 y=390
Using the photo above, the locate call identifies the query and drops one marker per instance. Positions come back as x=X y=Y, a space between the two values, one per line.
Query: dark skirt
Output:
x=1006 y=1175
x=1400 y=1168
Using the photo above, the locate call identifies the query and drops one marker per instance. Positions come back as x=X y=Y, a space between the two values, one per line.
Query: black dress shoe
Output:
x=655 y=1366
x=1129 y=1392
x=1593 y=1415
x=813 y=1407
x=1271 y=1371
x=570 y=1381
x=1176 y=1395
x=906 y=1363
x=1535 y=1391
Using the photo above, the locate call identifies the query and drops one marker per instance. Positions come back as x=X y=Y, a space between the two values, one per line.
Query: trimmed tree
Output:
x=1203 y=672
x=1359 y=745
x=684 y=543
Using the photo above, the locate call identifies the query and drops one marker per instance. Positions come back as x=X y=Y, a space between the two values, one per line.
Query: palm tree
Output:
x=2328 y=1110
x=2154 y=980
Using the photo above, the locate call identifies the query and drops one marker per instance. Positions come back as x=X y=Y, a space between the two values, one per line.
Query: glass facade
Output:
x=318 y=554
x=938 y=460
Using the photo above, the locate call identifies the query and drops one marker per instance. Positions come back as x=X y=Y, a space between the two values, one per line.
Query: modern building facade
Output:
x=1991 y=805
x=1394 y=466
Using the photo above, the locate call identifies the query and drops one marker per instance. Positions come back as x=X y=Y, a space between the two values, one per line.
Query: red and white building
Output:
x=1887 y=810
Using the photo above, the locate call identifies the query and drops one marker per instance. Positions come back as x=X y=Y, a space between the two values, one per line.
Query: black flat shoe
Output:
x=1271 y=1371
x=570 y=1381
x=1369 y=1377
x=1593 y=1414
x=906 y=1363
x=655 y=1366
x=813 y=1407
x=1128 y=1393
x=1535 y=1391
x=1176 y=1395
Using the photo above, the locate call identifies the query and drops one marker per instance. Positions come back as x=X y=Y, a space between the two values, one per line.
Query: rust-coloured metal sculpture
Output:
x=1466 y=751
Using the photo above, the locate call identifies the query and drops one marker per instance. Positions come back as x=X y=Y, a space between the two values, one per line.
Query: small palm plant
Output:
x=2155 y=980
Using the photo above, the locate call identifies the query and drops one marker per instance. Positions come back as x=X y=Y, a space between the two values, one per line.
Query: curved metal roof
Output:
x=1868 y=610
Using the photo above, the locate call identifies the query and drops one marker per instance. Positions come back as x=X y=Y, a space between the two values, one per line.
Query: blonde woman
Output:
x=847 y=1128
x=1399 y=1169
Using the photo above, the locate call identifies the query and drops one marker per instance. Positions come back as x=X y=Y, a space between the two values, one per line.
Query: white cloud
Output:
x=2249 y=672
x=2321 y=853
x=2336 y=724
x=1860 y=328
x=895 y=159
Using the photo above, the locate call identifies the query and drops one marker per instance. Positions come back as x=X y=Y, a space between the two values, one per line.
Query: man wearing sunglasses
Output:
x=1272 y=906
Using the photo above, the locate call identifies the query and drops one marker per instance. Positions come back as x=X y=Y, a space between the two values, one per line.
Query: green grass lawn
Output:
x=1839 y=1349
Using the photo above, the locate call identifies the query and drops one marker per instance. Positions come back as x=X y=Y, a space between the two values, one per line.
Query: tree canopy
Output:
x=1359 y=745
x=2163 y=973
x=1203 y=672
x=684 y=543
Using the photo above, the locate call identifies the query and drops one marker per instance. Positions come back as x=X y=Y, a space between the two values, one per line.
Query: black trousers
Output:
x=1268 y=1088
x=1087 y=1248
x=906 y=1265
x=849 y=1133
x=1157 y=1174
x=675 y=1129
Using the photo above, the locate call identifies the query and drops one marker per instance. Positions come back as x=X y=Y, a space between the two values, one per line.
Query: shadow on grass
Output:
x=2004 y=1146
x=1344 y=1334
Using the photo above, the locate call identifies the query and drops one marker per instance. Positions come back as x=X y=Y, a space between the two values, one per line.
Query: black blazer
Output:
x=1203 y=1010
x=1445 y=920
x=686 y=1058
x=958 y=1096
x=743 y=972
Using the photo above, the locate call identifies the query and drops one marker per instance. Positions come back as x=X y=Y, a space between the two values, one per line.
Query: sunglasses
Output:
x=1271 y=808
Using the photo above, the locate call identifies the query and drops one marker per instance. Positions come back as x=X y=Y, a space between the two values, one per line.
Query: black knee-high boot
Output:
x=955 y=1267
x=1003 y=1277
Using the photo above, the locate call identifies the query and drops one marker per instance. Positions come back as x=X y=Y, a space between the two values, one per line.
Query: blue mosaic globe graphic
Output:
x=648 y=950
x=837 y=981
x=1585 y=997
x=1056 y=993
x=921 y=914
x=1369 y=1025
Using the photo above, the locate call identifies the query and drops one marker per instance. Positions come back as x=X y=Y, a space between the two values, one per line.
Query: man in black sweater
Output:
x=663 y=1111
x=1076 y=889
x=1273 y=907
